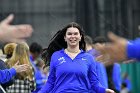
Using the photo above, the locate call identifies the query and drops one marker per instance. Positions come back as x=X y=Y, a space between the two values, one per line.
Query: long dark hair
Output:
x=58 y=42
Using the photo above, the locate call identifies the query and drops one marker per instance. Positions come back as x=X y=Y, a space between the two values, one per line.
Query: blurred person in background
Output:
x=113 y=69
x=100 y=68
x=114 y=77
x=7 y=51
x=41 y=72
x=35 y=52
x=23 y=82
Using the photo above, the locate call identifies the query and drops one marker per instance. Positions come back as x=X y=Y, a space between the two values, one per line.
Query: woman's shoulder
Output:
x=88 y=55
x=56 y=56
x=59 y=52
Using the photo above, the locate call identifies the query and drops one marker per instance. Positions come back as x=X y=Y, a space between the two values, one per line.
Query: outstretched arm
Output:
x=119 y=49
x=14 y=33
x=133 y=49
x=95 y=84
x=7 y=74
x=114 y=51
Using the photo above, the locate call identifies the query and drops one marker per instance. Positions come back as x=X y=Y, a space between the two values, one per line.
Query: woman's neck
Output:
x=73 y=50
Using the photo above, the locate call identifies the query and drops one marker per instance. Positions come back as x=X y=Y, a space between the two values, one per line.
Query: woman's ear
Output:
x=65 y=38
x=80 y=38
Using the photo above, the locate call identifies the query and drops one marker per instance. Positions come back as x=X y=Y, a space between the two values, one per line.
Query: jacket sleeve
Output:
x=133 y=49
x=95 y=84
x=51 y=78
x=6 y=75
x=2 y=67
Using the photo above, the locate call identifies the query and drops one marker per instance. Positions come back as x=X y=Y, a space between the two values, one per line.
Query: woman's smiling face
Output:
x=72 y=36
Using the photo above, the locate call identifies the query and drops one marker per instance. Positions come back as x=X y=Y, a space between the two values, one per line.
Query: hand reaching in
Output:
x=113 y=51
x=109 y=91
x=21 y=68
x=14 y=33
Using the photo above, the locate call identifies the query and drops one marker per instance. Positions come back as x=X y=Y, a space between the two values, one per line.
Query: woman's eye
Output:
x=69 y=34
x=75 y=33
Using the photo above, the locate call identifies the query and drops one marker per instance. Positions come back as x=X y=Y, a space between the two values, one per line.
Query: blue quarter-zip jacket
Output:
x=72 y=76
x=6 y=75
x=133 y=49
x=100 y=69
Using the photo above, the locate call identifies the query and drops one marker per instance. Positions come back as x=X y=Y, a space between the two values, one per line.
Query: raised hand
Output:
x=14 y=33
x=21 y=68
x=113 y=51
x=109 y=91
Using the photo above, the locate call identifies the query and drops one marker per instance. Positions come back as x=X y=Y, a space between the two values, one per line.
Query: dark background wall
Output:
x=46 y=16
x=97 y=17
x=100 y=16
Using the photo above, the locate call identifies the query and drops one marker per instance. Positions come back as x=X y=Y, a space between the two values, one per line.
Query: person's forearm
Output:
x=6 y=75
x=133 y=49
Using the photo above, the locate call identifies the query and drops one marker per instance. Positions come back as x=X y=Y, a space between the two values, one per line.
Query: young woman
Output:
x=23 y=82
x=72 y=70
